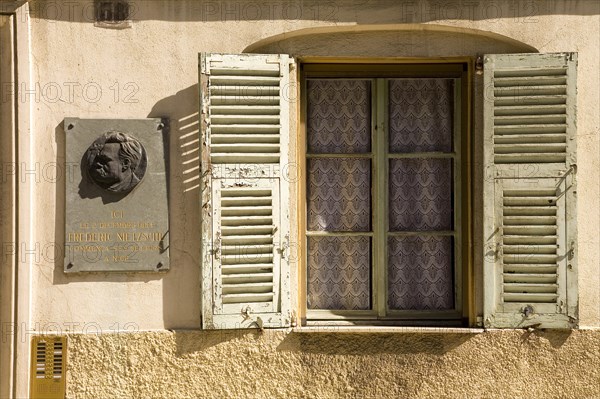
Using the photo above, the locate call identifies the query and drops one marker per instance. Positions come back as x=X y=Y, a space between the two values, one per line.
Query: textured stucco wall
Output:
x=278 y=364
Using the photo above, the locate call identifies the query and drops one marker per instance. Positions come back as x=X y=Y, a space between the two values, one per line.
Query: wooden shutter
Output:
x=530 y=267
x=245 y=193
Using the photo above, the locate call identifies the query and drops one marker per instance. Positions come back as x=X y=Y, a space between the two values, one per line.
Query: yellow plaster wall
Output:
x=279 y=364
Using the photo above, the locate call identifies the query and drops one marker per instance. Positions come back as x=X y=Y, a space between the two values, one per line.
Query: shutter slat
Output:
x=530 y=120
x=242 y=158
x=249 y=288
x=536 y=278
x=246 y=210
x=263 y=70
x=540 y=80
x=529 y=110
x=529 y=239
x=246 y=148
x=245 y=100
x=245 y=119
x=530 y=100
x=247 y=80
x=242 y=138
x=528 y=72
x=242 y=260
x=249 y=268
x=530 y=129
x=538 y=268
x=525 y=91
x=248 y=298
x=530 y=158
x=241 y=91
x=245 y=110
x=529 y=248
x=527 y=148
x=530 y=297
x=530 y=138
x=245 y=129
x=529 y=210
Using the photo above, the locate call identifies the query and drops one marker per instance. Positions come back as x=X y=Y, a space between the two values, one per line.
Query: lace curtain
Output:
x=420 y=268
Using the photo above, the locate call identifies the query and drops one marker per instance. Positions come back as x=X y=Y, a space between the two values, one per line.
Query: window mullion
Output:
x=380 y=197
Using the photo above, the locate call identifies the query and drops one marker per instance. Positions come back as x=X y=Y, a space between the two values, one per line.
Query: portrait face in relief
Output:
x=116 y=162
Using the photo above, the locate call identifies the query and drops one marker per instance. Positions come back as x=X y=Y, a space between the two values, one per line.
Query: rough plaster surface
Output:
x=279 y=364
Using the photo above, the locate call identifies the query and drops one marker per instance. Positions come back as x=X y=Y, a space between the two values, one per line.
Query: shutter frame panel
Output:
x=245 y=195
x=530 y=228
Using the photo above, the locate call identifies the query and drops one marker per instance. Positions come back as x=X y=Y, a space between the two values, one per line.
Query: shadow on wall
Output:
x=181 y=284
x=356 y=11
x=355 y=344
x=181 y=290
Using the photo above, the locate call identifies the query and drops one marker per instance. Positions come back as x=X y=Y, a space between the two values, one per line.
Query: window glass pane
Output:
x=339 y=116
x=339 y=194
x=420 y=275
x=420 y=194
x=420 y=115
x=339 y=273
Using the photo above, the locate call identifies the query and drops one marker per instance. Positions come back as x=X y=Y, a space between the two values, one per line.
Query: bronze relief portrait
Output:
x=116 y=162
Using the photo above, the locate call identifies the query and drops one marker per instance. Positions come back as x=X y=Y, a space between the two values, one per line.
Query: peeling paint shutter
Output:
x=530 y=194
x=245 y=193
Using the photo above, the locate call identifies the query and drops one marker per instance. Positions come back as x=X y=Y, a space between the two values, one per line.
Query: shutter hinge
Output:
x=560 y=307
x=216 y=251
x=284 y=247
x=247 y=312
x=571 y=253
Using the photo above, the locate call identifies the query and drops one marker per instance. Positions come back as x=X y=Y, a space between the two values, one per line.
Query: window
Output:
x=385 y=192
x=385 y=216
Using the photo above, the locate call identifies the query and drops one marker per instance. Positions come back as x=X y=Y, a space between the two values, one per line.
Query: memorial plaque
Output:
x=117 y=215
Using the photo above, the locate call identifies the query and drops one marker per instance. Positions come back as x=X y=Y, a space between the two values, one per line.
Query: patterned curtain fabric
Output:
x=420 y=115
x=339 y=194
x=339 y=116
x=339 y=273
x=420 y=273
x=420 y=268
x=420 y=194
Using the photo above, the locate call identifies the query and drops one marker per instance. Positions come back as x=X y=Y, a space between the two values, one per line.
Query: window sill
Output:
x=385 y=330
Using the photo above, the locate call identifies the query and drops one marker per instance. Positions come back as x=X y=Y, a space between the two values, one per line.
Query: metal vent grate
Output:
x=247 y=245
x=114 y=11
x=244 y=113
x=48 y=367
x=530 y=246
x=530 y=115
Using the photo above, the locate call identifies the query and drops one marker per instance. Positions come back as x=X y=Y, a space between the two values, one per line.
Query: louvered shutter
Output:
x=245 y=193
x=530 y=268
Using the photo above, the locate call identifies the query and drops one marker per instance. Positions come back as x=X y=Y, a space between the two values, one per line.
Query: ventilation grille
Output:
x=530 y=246
x=47 y=377
x=244 y=114
x=247 y=248
x=530 y=116
x=112 y=11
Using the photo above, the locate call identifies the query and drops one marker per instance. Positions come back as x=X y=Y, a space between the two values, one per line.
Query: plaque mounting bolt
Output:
x=160 y=265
